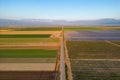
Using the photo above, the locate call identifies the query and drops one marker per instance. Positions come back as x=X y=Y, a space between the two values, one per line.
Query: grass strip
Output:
x=24 y=35
x=29 y=53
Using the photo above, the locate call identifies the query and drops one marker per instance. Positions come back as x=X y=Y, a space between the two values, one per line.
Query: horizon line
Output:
x=57 y=19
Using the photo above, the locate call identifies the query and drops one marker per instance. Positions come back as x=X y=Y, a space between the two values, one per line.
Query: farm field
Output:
x=26 y=50
x=28 y=60
x=29 y=43
x=94 y=54
x=92 y=50
x=36 y=29
x=58 y=28
x=28 y=32
x=94 y=60
x=95 y=69
x=90 y=28
x=25 y=35
x=27 y=67
x=93 y=35
x=82 y=28
x=27 y=40
x=27 y=53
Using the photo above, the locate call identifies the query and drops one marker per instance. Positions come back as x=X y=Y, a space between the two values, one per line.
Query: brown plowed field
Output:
x=26 y=75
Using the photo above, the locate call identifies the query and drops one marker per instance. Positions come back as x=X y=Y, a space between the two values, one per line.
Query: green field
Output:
x=81 y=28
x=24 y=35
x=37 y=29
x=27 y=53
x=66 y=28
x=92 y=50
x=26 y=40
x=58 y=28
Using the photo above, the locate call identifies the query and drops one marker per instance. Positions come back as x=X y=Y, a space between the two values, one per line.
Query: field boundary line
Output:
x=98 y=59
x=112 y=43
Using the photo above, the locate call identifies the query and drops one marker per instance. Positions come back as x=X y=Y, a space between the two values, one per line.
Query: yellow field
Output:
x=27 y=32
x=27 y=66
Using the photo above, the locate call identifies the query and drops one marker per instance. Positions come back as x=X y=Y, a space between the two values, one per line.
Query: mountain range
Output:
x=49 y=22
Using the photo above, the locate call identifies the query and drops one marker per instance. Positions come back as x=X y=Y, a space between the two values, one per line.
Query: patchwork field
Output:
x=94 y=51
x=29 y=40
x=94 y=54
x=28 y=50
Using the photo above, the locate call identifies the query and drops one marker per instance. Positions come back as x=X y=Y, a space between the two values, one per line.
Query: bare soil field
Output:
x=27 y=75
x=27 y=66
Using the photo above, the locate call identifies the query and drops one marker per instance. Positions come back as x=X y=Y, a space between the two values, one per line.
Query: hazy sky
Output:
x=59 y=9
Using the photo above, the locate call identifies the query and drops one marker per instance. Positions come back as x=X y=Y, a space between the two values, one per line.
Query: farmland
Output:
x=94 y=54
x=24 y=35
x=27 y=53
x=95 y=70
x=27 y=40
x=37 y=29
x=92 y=50
x=28 y=49
x=94 y=60
x=58 y=28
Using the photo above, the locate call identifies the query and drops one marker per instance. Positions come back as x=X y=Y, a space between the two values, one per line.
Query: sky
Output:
x=60 y=9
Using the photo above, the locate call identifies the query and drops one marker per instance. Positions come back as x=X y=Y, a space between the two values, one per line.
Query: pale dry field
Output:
x=47 y=46
x=27 y=66
x=27 y=32
x=110 y=28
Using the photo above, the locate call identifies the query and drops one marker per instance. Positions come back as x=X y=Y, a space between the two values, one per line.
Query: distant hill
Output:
x=48 y=22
